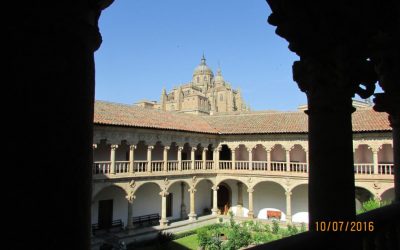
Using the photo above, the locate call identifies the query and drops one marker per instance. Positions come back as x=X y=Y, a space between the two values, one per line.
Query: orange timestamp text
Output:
x=344 y=226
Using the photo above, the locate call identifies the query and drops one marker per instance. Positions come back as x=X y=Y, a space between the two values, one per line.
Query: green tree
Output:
x=371 y=204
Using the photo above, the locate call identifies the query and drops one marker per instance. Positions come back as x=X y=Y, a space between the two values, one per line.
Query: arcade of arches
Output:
x=179 y=181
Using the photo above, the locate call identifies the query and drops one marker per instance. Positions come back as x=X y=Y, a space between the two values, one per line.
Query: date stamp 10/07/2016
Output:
x=344 y=226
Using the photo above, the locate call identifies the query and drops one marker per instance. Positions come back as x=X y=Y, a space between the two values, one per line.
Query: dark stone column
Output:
x=331 y=192
x=49 y=52
x=387 y=66
x=330 y=41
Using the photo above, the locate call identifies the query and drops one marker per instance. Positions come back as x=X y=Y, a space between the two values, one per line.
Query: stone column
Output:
x=180 y=158
x=164 y=221
x=204 y=157
x=288 y=207
x=251 y=210
x=269 y=160
x=250 y=150
x=50 y=64
x=192 y=157
x=215 y=200
x=288 y=160
x=387 y=64
x=192 y=214
x=375 y=159
x=307 y=161
x=396 y=155
x=149 y=149
x=183 y=206
x=130 y=199
x=165 y=158
x=112 y=158
x=216 y=159
x=94 y=146
x=132 y=158
x=239 y=207
x=330 y=130
x=233 y=158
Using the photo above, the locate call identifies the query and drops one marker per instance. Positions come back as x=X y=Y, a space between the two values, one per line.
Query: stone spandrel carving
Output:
x=132 y=184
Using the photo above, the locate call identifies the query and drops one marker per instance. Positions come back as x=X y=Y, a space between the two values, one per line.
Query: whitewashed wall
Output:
x=203 y=197
x=175 y=189
x=300 y=204
x=259 y=154
x=268 y=195
x=385 y=154
x=278 y=153
x=148 y=200
x=120 y=204
x=388 y=195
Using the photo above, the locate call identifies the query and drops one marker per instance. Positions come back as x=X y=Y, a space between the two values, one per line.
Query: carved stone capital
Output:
x=131 y=197
x=288 y=193
x=215 y=188
x=164 y=193
x=250 y=190
x=150 y=147
x=192 y=190
x=132 y=147
x=194 y=149
x=167 y=148
x=114 y=146
x=389 y=103
x=94 y=146
x=180 y=149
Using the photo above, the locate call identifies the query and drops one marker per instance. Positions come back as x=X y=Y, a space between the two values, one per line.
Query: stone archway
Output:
x=109 y=204
x=362 y=195
x=224 y=197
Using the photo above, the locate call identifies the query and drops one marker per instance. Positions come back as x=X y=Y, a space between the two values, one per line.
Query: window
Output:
x=221 y=97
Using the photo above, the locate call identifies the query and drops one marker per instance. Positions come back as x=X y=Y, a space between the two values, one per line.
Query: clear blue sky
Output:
x=153 y=44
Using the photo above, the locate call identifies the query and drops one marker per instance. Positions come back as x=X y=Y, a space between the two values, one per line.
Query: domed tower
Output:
x=202 y=75
x=219 y=79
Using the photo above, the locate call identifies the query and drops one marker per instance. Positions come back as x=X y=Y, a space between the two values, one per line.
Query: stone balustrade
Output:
x=257 y=167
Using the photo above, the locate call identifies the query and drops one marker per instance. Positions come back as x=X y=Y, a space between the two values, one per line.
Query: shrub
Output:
x=292 y=230
x=208 y=237
x=238 y=236
x=267 y=228
x=303 y=227
x=372 y=204
x=262 y=237
x=275 y=227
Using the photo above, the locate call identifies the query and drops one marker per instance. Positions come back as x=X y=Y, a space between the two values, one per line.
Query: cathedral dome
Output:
x=219 y=78
x=203 y=69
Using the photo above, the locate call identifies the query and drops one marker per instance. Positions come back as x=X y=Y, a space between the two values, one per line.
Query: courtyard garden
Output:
x=229 y=235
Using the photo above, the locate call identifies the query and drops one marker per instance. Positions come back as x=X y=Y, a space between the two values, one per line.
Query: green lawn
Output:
x=188 y=242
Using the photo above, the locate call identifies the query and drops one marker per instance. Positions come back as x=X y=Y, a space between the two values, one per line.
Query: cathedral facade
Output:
x=205 y=94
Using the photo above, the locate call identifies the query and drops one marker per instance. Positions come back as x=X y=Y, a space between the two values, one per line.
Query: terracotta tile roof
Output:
x=369 y=120
x=238 y=123
x=259 y=123
x=134 y=116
